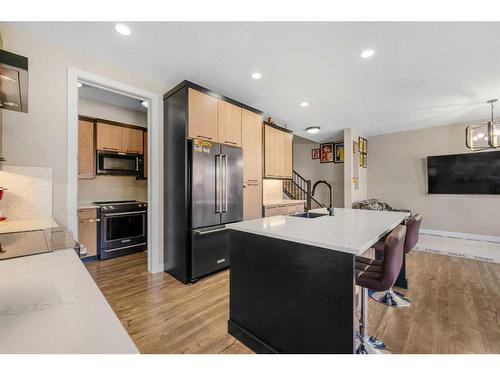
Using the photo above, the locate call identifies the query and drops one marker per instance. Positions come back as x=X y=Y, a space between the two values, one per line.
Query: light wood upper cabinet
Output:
x=278 y=150
x=109 y=137
x=269 y=151
x=119 y=138
x=132 y=140
x=86 y=150
x=203 y=114
x=229 y=122
x=145 y=140
x=287 y=155
x=251 y=142
x=252 y=200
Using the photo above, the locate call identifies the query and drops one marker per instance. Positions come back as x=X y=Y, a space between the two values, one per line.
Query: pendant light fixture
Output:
x=485 y=135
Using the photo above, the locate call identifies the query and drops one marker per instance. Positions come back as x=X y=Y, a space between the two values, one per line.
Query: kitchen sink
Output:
x=309 y=215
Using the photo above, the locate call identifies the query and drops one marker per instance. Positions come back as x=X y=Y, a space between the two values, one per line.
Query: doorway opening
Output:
x=114 y=169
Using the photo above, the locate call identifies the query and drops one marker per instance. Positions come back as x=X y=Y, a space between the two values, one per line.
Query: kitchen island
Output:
x=50 y=304
x=292 y=279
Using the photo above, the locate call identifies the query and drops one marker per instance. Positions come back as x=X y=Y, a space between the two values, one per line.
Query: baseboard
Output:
x=463 y=236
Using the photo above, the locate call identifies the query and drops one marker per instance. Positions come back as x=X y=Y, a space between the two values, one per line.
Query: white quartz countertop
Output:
x=84 y=205
x=22 y=225
x=351 y=231
x=282 y=202
x=50 y=304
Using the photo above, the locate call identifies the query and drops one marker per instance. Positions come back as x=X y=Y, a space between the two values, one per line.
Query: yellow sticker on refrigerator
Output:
x=200 y=145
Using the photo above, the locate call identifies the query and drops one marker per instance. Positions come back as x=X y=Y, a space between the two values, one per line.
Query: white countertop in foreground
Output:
x=23 y=225
x=50 y=304
x=350 y=231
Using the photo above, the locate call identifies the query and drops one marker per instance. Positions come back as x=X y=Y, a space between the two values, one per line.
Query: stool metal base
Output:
x=390 y=298
x=371 y=345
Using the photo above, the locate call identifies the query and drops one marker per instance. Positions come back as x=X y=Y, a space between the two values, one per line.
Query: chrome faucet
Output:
x=330 y=209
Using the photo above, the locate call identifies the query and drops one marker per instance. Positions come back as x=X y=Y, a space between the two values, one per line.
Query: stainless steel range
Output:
x=123 y=228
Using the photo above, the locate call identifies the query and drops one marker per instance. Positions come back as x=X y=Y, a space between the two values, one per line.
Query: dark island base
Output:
x=250 y=341
x=288 y=297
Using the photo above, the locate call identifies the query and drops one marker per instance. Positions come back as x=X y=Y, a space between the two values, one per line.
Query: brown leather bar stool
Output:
x=378 y=277
x=391 y=297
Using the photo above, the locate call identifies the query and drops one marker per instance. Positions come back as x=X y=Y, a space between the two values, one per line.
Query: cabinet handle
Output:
x=233 y=143
x=109 y=148
x=133 y=151
x=202 y=136
x=252 y=180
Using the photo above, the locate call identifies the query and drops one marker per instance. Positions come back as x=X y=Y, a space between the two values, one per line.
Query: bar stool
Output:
x=379 y=276
x=391 y=297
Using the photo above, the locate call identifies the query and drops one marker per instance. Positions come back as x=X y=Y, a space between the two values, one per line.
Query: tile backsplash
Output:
x=29 y=192
x=104 y=188
x=272 y=190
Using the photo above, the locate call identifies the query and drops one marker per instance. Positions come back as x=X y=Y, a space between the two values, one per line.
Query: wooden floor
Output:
x=455 y=309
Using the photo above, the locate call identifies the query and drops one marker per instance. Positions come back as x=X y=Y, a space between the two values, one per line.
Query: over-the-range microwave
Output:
x=119 y=163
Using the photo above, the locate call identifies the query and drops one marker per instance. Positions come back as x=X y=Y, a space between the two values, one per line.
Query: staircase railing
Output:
x=300 y=188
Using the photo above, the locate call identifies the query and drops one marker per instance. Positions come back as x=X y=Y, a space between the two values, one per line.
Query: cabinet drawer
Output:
x=275 y=210
x=87 y=213
x=295 y=208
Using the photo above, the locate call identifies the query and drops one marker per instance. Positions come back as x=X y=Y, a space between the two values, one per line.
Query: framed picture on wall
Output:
x=339 y=152
x=315 y=153
x=326 y=153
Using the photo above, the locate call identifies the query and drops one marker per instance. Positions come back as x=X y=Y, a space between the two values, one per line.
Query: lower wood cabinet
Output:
x=284 y=209
x=275 y=210
x=252 y=200
x=87 y=230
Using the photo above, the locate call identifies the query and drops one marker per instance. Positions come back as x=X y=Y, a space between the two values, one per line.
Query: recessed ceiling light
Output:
x=256 y=75
x=79 y=84
x=11 y=104
x=144 y=103
x=122 y=29
x=7 y=78
x=313 y=129
x=304 y=104
x=367 y=53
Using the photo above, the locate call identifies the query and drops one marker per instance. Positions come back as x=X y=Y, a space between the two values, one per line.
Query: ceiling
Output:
x=422 y=74
x=110 y=97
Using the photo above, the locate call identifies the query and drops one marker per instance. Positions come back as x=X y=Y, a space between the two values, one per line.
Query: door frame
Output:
x=155 y=159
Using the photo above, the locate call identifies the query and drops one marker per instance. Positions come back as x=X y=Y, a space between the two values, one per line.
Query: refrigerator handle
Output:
x=218 y=183
x=224 y=183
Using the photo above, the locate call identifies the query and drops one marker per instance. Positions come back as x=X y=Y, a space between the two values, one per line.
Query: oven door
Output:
x=123 y=233
x=119 y=163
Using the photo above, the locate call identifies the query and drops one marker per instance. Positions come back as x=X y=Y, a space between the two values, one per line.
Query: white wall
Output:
x=313 y=170
x=92 y=108
x=397 y=175
x=38 y=138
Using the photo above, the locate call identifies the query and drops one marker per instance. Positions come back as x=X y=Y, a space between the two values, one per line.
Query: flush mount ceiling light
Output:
x=313 y=129
x=7 y=78
x=256 y=75
x=304 y=104
x=144 y=103
x=367 y=53
x=10 y=104
x=122 y=29
x=482 y=136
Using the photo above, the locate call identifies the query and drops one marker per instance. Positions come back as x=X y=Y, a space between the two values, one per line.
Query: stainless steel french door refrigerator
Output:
x=216 y=196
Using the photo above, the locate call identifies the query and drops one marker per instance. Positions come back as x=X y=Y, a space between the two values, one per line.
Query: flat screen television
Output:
x=472 y=173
